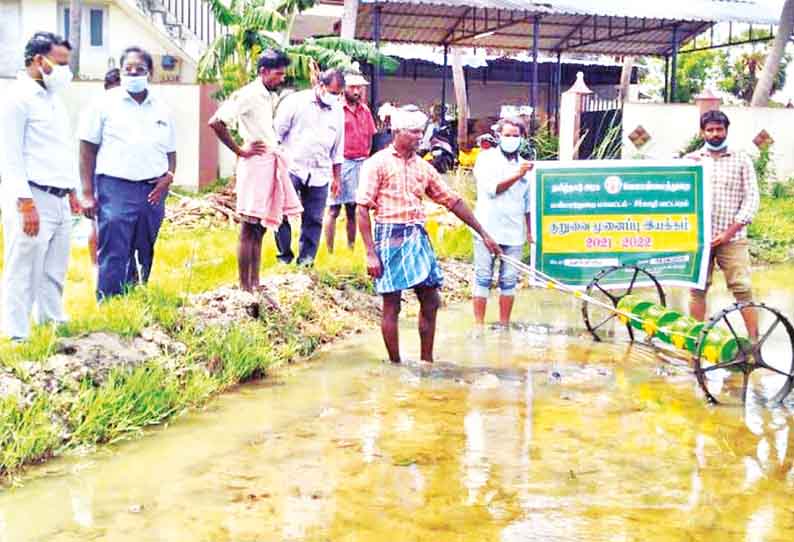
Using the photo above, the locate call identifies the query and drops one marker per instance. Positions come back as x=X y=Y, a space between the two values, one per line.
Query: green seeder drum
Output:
x=728 y=359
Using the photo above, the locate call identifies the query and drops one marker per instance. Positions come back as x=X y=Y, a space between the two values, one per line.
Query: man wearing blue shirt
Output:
x=129 y=142
x=39 y=179
x=503 y=209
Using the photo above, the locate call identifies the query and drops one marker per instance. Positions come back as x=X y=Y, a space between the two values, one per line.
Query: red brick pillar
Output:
x=208 y=142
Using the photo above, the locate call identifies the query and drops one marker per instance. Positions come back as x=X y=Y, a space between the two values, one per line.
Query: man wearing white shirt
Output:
x=311 y=126
x=128 y=141
x=39 y=178
x=503 y=209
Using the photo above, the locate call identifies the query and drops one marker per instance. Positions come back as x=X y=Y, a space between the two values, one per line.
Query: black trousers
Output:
x=314 y=200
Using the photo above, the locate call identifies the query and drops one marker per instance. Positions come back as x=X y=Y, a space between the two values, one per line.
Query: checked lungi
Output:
x=407 y=258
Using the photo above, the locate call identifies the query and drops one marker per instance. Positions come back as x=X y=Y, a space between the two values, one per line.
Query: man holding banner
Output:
x=735 y=201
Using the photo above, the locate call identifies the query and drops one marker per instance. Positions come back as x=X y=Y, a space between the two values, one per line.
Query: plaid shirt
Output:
x=394 y=187
x=734 y=190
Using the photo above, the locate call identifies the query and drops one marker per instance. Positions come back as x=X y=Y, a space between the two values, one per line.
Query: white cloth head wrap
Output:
x=408 y=118
x=385 y=110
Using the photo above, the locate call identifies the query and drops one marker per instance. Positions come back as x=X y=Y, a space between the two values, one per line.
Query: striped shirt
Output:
x=394 y=187
x=734 y=189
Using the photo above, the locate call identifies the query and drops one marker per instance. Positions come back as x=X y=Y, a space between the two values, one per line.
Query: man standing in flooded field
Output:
x=503 y=204
x=735 y=201
x=393 y=184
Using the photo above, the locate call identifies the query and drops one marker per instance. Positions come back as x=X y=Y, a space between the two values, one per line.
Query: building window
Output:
x=96 y=27
x=93 y=25
x=66 y=23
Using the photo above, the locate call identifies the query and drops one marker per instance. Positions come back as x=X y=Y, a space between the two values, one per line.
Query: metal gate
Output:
x=601 y=128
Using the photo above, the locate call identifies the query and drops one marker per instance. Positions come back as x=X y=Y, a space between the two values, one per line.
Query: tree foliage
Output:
x=255 y=25
x=694 y=71
x=735 y=70
x=741 y=76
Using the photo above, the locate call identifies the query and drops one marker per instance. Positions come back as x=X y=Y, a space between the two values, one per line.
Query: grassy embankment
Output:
x=772 y=231
x=187 y=262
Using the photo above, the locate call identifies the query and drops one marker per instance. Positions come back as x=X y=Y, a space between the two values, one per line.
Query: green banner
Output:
x=591 y=215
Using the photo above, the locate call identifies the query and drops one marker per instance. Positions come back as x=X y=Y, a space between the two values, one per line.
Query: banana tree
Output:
x=255 y=25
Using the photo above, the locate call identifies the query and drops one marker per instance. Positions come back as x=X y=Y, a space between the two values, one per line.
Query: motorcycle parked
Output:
x=440 y=152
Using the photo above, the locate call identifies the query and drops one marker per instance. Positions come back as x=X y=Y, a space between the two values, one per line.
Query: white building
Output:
x=174 y=31
x=108 y=27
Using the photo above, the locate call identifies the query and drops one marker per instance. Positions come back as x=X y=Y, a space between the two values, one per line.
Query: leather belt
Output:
x=55 y=191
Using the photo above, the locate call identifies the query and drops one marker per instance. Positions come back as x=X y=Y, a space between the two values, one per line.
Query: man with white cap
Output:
x=382 y=137
x=393 y=184
x=359 y=129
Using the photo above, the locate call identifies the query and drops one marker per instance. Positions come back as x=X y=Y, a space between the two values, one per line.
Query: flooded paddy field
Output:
x=536 y=433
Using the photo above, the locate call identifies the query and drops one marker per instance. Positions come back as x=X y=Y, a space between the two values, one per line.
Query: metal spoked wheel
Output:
x=604 y=324
x=729 y=367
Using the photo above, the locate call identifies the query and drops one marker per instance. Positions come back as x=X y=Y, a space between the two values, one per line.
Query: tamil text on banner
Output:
x=589 y=215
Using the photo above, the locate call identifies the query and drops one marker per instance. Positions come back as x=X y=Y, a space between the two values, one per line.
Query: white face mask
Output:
x=329 y=99
x=510 y=144
x=58 y=78
x=134 y=83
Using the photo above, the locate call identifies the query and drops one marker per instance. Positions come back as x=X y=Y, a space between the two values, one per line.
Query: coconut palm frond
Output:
x=211 y=64
x=224 y=15
x=358 y=50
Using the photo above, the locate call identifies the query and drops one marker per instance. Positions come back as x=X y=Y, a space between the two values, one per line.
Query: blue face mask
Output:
x=717 y=145
x=134 y=83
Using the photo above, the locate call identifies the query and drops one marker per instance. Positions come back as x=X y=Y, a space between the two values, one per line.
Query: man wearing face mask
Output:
x=503 y=208
x=735 y=201
x=128 y=142
x=311 y=126
x=39 y=179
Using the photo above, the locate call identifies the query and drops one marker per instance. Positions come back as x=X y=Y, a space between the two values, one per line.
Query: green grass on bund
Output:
x=187 y=262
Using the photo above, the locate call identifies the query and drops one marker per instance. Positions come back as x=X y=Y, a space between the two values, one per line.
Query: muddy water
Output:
x=533 y=434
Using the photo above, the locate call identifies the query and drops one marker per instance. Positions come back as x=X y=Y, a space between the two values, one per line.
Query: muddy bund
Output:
x=533 y=433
